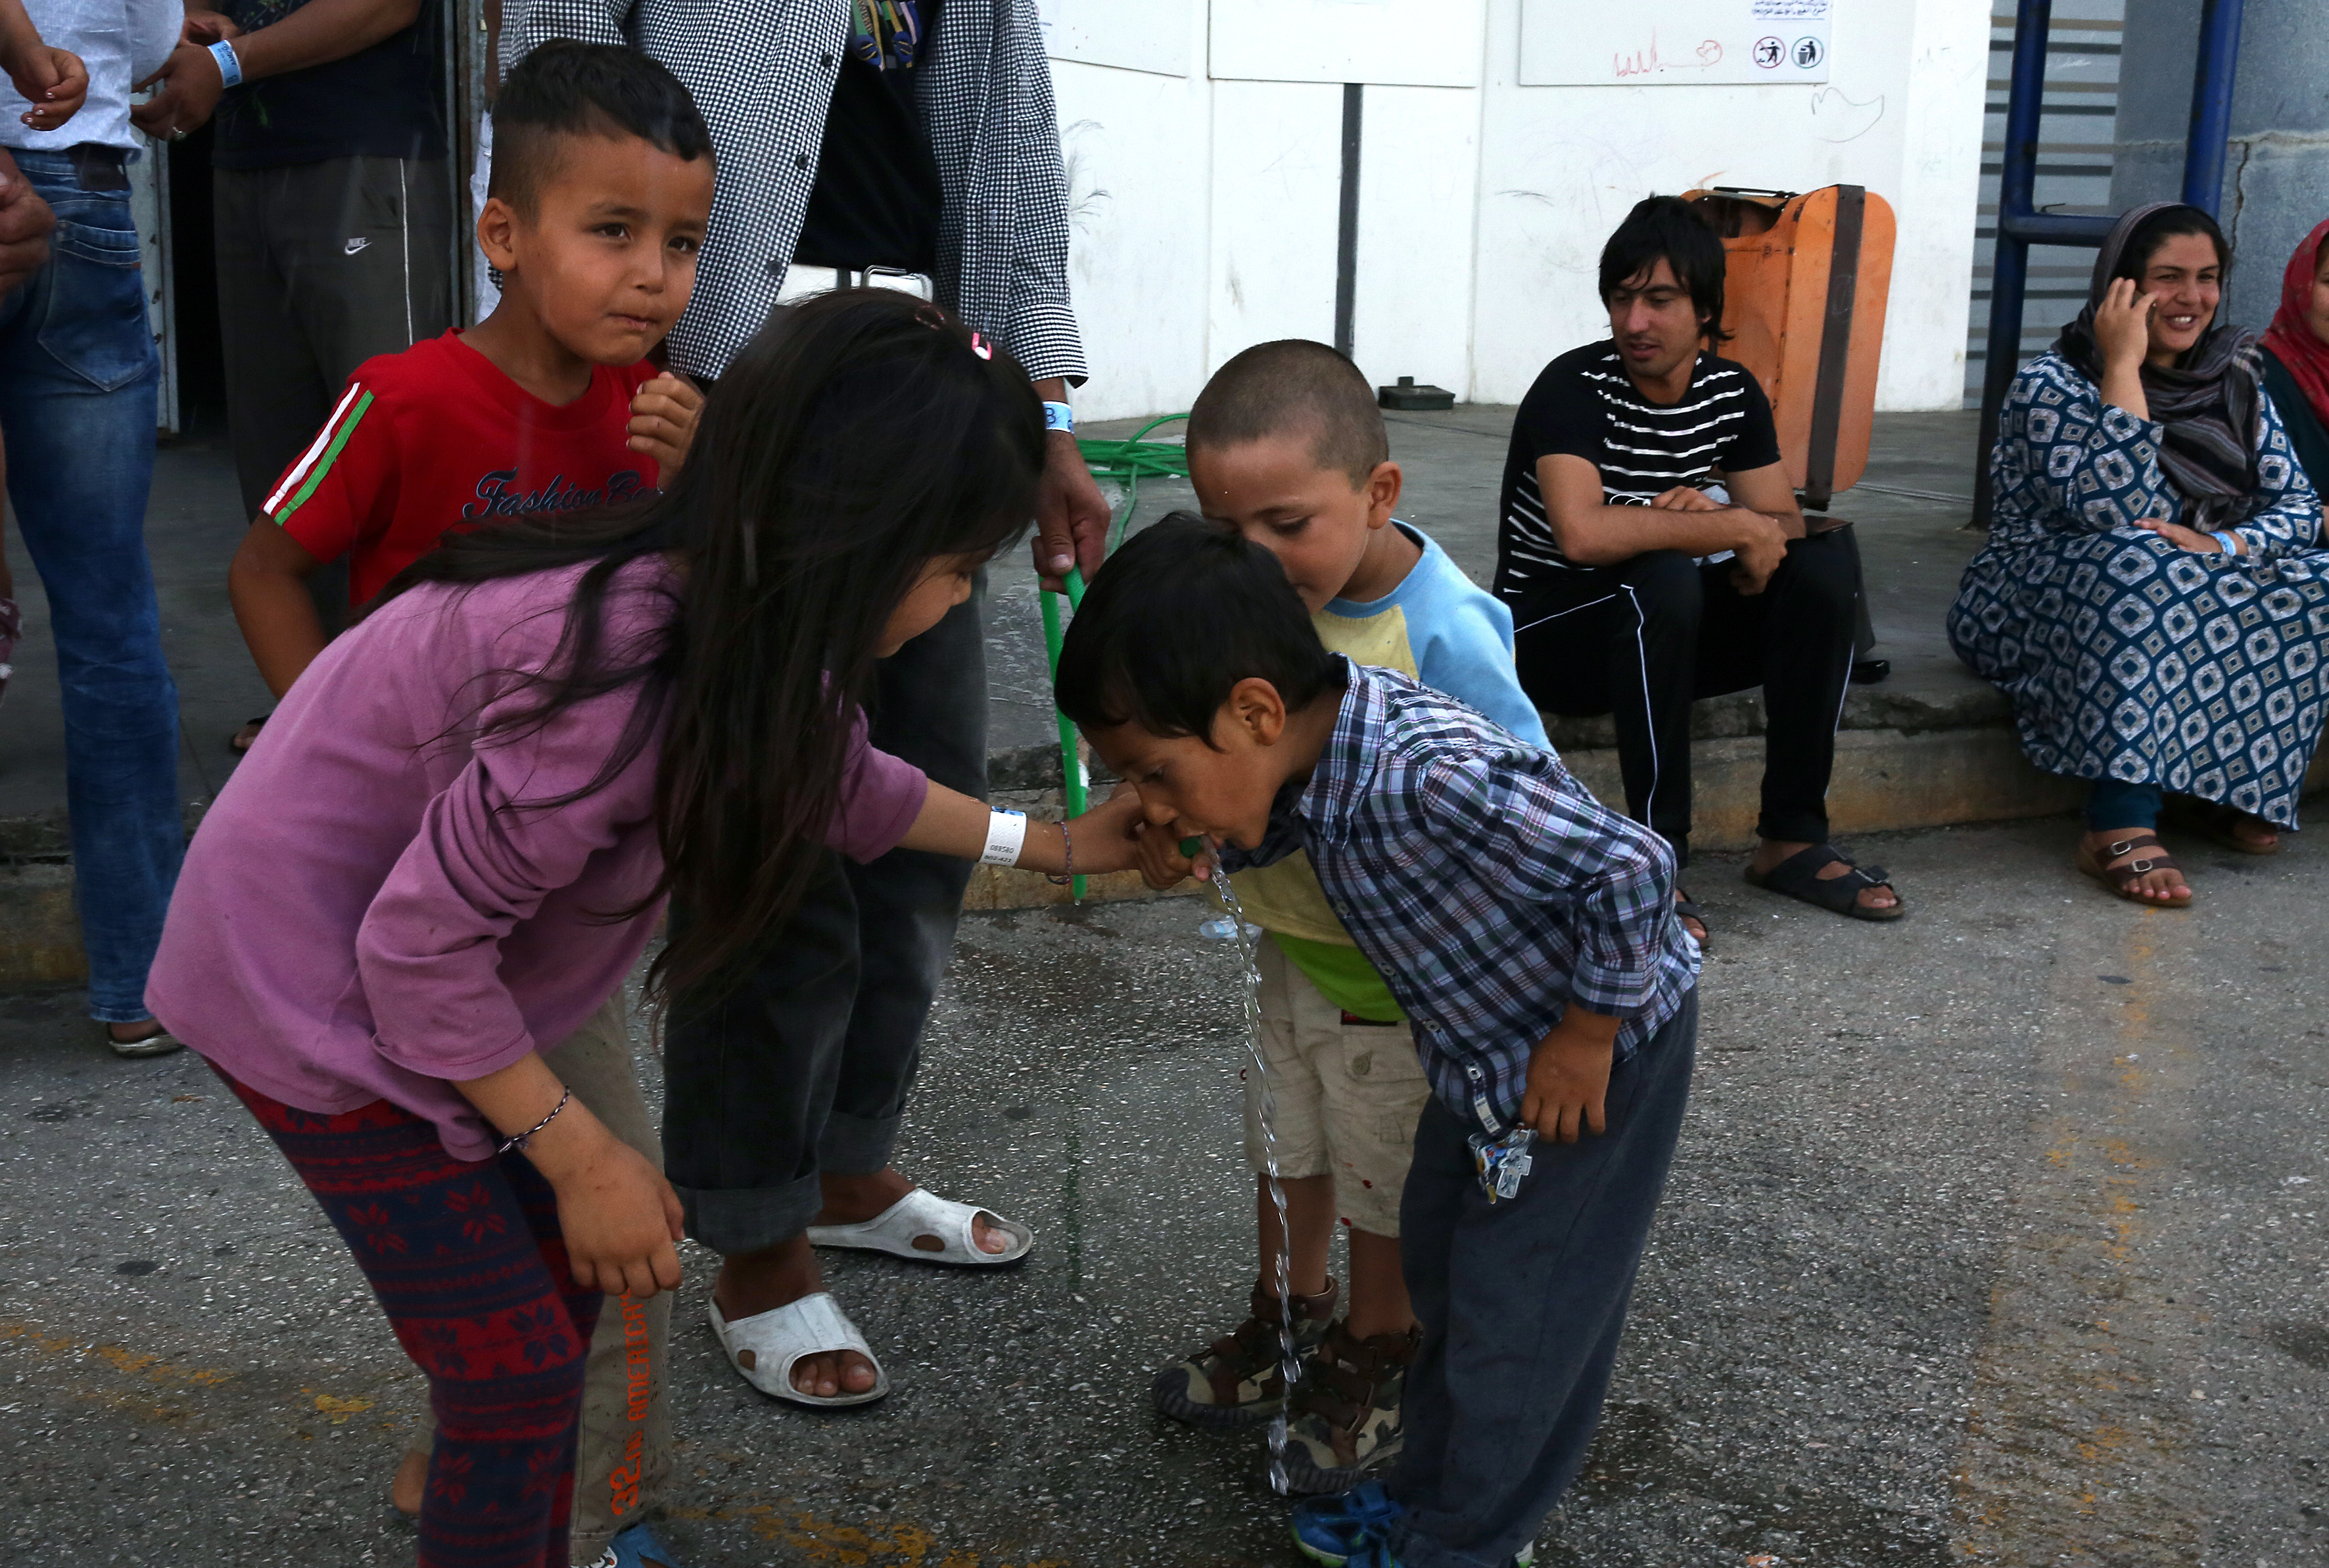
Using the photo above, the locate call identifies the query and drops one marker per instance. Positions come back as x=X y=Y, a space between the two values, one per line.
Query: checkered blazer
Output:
x=762 y=73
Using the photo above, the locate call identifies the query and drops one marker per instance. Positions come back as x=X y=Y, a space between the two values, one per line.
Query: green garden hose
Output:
x=1124 y=463
x=1071 y=767
x=1128 y=462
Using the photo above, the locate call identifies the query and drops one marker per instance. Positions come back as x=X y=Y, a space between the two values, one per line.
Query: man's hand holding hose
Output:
x=1072 y=515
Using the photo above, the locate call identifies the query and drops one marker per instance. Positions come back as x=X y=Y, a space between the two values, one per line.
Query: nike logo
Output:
x=354 y=245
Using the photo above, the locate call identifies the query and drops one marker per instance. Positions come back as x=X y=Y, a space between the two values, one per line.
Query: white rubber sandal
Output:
x=922 y=1215
x=776 y=1341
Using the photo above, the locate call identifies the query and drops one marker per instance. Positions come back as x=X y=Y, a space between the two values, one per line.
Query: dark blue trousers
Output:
x=1521 y=1302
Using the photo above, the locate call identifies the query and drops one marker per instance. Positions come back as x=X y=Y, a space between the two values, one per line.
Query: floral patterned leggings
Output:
x=467 y=1261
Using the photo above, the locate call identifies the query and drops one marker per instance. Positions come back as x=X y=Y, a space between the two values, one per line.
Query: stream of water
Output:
x=1289 y=1354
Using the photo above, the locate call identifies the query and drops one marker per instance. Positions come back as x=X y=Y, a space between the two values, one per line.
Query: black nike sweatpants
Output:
x=1644 y=639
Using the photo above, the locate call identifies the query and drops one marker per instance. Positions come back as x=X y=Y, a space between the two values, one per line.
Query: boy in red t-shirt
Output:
x=601 y=192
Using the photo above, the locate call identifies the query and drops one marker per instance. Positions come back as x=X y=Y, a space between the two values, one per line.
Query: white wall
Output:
x=1206 y=210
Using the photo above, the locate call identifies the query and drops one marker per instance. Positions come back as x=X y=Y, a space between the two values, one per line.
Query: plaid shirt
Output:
x=1485 y=882
x=762 y=72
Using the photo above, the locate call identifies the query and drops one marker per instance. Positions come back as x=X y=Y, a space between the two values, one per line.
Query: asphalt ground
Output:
x=1994 y=1236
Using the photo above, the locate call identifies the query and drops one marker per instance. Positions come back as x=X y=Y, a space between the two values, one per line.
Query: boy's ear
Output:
x=498 y=225
x=1258 y=710
x=1383 y=488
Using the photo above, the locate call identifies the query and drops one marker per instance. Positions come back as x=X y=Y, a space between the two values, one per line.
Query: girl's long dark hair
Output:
x=861 y=434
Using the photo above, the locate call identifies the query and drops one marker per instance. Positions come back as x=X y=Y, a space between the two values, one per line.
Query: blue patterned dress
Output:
x=2125 y=656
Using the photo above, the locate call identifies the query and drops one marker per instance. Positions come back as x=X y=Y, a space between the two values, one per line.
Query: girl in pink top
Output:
x=458 y=833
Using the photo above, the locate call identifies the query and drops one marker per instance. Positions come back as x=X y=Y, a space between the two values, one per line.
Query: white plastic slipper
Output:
x=776 y=1341
x=923 y=1215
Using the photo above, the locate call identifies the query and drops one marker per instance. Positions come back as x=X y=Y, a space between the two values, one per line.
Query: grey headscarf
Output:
x=2208 y=399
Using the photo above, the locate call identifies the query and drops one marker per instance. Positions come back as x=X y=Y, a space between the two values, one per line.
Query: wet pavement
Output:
x=1995 y=1237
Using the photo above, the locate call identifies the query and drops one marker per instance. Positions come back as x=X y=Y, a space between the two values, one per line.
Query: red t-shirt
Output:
x=437 y=437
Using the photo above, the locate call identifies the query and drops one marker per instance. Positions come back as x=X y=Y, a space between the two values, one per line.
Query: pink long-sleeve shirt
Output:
x=370 y=912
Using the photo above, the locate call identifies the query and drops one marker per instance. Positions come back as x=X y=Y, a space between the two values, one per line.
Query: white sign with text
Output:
x=1673 y=43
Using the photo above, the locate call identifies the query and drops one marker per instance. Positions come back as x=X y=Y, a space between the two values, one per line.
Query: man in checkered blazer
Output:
x=913 y=137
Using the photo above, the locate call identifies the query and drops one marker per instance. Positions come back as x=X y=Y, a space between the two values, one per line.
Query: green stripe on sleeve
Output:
x=324 y=464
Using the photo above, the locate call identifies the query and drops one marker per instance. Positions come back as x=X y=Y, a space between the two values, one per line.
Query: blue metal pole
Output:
x=2218 y=58
x=2009 y=273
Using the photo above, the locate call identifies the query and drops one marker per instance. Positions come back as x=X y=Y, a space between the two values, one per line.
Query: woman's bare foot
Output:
x=751 y=1283
x=1770 y=852
x=2253 y=832
x=2161 y=886
x=412 y=1480
x=854 y=1199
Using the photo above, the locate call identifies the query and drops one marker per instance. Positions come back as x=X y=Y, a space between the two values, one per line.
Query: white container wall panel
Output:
x=1398 y=43
x=1936 y=204
x=1277 y=196
x=1206 y=208
x=1419 y=188
x=1561 y=166
x=1139 y=152
x=1164 y=36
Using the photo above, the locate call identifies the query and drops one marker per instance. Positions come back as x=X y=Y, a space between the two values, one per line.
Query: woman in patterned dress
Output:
x=2153 y=596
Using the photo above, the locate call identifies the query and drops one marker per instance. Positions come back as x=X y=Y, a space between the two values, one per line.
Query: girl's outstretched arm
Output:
x=952 y=823
x=621 y=1218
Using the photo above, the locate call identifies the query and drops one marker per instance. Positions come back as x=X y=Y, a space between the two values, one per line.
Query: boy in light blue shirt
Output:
x=1288 y=448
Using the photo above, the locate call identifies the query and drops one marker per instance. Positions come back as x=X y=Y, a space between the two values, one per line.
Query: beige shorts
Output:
x=1347 y=1096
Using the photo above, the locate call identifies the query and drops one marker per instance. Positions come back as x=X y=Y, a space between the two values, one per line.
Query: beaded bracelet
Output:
x=1068 y=843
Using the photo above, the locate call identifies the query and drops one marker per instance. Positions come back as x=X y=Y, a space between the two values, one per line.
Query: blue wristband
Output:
x=1058 y=417
x=229 y=64
x=2230 y=541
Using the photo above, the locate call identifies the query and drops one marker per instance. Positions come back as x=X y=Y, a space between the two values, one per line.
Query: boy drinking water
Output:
x=1529 y=935
x=601 y=190
x=1288 y=448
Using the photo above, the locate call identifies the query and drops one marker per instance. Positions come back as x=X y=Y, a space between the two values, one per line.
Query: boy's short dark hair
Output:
x=566 y=88
x=1174 y=620
x=1294 y=385
x=1669 y=227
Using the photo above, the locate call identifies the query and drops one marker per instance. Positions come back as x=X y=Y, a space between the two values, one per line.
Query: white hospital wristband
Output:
x=1007 y=831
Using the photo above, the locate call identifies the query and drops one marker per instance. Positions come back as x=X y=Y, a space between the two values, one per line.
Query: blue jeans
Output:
x=2115 y=804
x=78 y=374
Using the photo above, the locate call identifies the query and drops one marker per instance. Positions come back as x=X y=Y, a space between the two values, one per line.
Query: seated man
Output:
x=1653 y=553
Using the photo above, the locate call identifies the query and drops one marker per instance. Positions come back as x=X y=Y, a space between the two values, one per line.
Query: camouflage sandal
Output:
x=1238 y=1380
x=1343 y=1426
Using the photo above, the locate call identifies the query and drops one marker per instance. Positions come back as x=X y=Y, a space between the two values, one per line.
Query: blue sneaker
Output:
x=1333 y=1530
x=1353 y=1530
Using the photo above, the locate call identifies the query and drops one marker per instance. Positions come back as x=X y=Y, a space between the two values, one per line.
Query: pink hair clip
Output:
x=981 y=347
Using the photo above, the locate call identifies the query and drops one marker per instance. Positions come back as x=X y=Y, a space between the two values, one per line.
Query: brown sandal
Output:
x=2121 y=879
x=2220 y=824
